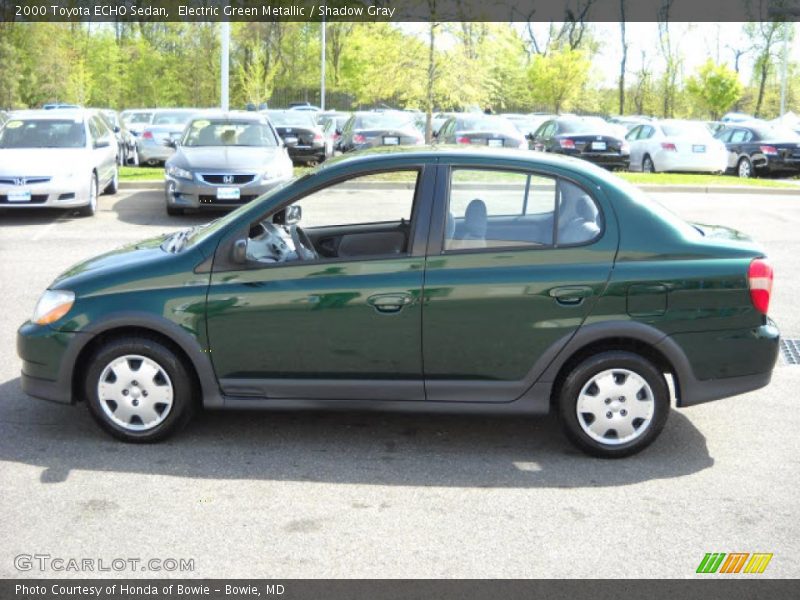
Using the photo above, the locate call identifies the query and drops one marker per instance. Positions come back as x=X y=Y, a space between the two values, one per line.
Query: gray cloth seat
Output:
x=578 y=220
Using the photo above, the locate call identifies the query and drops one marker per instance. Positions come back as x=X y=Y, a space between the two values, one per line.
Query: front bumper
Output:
x=48 y=360
x=53 y=194
x=182 y=193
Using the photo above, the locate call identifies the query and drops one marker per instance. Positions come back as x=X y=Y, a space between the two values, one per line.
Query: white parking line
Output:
x=46 y=230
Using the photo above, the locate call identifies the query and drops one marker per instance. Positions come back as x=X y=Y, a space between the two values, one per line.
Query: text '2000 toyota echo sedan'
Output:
x=419 y=280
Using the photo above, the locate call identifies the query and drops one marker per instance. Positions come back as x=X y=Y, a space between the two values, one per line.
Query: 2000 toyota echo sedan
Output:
x=420 y=280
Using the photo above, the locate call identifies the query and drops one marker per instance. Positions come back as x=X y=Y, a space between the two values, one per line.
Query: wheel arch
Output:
x=641 y=339
x=185 y=345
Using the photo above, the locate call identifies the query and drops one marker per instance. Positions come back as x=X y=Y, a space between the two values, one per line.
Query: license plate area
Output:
x=19 y=196
x=391 y=140
x=599 y=146
x=698 y=148
x=228 y=193
x=495 y=143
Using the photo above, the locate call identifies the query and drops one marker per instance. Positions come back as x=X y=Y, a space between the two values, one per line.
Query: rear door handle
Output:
x=571 y=295
x=389 y=303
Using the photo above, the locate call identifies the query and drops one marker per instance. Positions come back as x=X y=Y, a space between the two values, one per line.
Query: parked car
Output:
x=368 y=129
x=565 y=288
x=332 y=124
x=736 y=117
x=167 y=124
x=56 y=159
x=587 y=139
x=126 y=142
x=58 y=106
x=223 y=160
x=676 y=145
x=758 y=149
x=137 y=120
x=482 y=130
x=301 y=134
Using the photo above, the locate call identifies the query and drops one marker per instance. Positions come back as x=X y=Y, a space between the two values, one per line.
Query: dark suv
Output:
x=429 y=280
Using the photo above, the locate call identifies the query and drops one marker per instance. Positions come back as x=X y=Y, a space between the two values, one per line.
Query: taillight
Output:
x=668 y=146
x=148 y=135
x=358 y=138
x=567 y=143
x=318 y=137
x=769 y=150
x=462 y=140
x=759 y=280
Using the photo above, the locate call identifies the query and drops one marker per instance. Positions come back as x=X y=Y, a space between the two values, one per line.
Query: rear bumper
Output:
x=300 y=153
x=779 y=165
x=695 y=163
x=724 y=363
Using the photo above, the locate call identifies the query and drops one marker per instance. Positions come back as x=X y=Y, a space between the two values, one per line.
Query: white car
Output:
x=674 y=145
x=56 y=159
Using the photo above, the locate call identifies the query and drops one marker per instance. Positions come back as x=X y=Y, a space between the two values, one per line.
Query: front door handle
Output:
x=571 y=295
x=389 y=303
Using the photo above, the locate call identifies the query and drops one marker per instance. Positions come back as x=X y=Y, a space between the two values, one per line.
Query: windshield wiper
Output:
x=177 y=240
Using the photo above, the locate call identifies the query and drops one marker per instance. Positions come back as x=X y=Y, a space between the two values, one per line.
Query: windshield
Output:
x=43 y=133
x=486 y=124
x=686 y=129
x=292 y=119
x=383 y=121
x=204 y=132
x=172 y=118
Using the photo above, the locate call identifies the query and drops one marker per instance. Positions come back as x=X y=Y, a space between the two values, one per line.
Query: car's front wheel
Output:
x=91 y=208
x=614 y=404
x=139 y=390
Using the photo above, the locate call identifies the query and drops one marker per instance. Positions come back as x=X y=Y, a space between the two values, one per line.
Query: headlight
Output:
x=273 y=172
x=52 y=305
x=180 y=173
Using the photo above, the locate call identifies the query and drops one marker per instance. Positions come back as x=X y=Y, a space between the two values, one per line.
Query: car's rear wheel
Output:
x=648 y=166
x=139 y=390
x=745 y=167
x=90 y=209
x=614 y=404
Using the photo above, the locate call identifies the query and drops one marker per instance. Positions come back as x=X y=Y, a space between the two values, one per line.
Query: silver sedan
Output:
x=56 y=159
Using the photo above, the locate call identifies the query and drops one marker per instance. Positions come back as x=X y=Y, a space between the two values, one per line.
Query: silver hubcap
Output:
x=135 y=392
x=744 y=169
x=615 y=407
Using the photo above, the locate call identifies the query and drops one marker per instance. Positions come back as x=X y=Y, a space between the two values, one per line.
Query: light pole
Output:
x=322 y=69
x=225 y=67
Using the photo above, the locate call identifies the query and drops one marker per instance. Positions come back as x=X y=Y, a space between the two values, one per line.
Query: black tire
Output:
x=90 y=209
x=113 y=185
x=744 y=168
x=582 y=374
x=181 y=380
x=174 y=212
x=648 y=166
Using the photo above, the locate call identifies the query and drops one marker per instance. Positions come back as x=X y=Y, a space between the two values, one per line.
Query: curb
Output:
x=647 y=187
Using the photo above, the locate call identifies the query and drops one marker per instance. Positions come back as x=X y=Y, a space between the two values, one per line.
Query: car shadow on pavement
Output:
x=23 y=217
x=336 y=447
x=147 y=207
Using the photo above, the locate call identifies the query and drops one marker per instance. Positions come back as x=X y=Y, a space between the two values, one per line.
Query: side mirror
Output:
x=239 y=252
x=117 y=129
x=170 y=143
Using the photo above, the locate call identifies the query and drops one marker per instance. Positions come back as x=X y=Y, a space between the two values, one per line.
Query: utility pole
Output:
x=225 y=68
x=322 y=69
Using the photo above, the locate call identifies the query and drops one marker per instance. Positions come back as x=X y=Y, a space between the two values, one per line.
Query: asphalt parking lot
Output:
x=362 y=495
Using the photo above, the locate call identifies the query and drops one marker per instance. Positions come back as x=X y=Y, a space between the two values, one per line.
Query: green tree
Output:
x=715 y=87
x=558 y=78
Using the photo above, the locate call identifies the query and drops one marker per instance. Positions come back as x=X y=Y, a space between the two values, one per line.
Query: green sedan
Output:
x=428 y=280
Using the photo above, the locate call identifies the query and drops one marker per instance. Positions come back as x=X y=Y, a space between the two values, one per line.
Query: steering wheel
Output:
x=302 y=244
